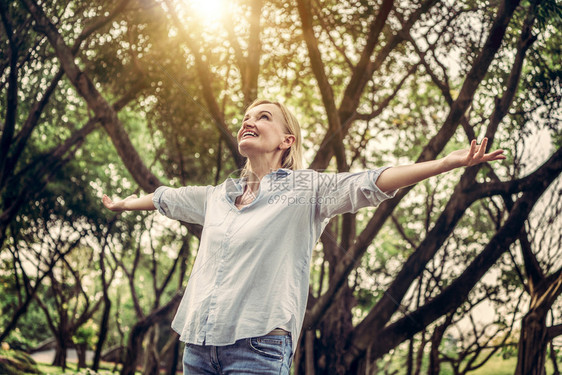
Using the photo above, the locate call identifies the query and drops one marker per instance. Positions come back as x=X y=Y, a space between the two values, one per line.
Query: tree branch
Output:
x=32 y=119
x=252 y=64
x=12 y=95
x=205 y=80
x=352 y=94
x=361 y=74
x=104 y=112
x=532 y=267
x=432 y=149
x=455 y=294
x=317 y=64
x=554 y=331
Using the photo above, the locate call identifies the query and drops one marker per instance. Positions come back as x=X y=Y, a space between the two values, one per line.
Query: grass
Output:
x=72 y=368
x=500 y=366
x=495 y=366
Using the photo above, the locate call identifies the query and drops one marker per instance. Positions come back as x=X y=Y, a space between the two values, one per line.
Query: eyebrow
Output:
x=259 y=113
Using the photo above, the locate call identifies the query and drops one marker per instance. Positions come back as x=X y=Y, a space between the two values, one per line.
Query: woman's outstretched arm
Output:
x=406 y=175
x=131 y=203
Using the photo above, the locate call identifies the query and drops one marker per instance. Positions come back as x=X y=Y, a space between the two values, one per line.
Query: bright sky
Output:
x=207 y=9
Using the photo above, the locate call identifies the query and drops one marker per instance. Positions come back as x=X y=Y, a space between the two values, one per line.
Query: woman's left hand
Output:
x=473 y=155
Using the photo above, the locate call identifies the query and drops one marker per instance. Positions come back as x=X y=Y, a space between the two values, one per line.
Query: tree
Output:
x=543 y=289
x=15 y=168
x=364 y=77
x=151 y=272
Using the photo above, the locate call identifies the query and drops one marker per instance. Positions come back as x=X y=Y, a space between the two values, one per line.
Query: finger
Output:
x=482 y=148
x=106 y=201
x=496 y=155
x=472 y=149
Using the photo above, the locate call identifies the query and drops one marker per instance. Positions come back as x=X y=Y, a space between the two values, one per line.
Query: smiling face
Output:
x=263 y=132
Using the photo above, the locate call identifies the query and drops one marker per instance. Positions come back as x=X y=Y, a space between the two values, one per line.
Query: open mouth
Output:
x=249 y=134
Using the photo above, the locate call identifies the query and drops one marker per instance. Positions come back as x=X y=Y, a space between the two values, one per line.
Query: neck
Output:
x=259 y=168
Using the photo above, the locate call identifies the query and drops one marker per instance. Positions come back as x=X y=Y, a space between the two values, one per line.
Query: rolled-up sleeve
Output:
x=185 y=203
x=348 y=192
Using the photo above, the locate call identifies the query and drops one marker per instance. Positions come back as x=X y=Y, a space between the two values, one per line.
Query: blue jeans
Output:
x=263 y=355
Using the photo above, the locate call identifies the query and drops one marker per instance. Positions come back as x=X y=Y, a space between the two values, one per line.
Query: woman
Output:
x=246 y=297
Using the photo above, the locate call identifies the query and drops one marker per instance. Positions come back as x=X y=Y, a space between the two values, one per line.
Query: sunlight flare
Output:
x=207 y=9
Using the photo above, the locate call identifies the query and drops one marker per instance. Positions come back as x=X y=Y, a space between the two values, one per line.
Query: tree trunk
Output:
x=420 y=355
x=103 y=333
x=81 y=352
x=532 y=344
x=553 y=359
x=139 y=331
x=310 y=338
x=60 y=353
x=335 y=329
x=133 y=348
x=436 y=339
x=106 y=311
x=410 y=357
x=151 y=360
x=175 y=358
x=535 y=335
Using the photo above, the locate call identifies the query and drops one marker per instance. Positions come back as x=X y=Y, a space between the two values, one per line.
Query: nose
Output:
x=248 y=122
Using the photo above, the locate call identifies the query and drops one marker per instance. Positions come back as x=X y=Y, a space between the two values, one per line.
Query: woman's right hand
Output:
x=117 y=206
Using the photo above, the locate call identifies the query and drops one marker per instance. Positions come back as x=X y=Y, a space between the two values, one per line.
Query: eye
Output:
x=264 y=116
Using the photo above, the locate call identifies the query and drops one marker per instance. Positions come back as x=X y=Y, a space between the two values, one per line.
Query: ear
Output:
x=288 y=141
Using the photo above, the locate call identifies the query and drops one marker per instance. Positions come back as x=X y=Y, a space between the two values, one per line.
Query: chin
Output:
x=242 y=151
x=245 y=149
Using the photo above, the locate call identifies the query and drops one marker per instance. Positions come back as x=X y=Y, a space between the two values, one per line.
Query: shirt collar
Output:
x=281 y=173
x=235 y=186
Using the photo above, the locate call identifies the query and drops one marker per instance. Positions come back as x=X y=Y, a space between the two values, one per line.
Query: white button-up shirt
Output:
x=251 y=273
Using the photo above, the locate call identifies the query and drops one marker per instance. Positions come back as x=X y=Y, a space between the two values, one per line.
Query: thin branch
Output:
x=336 y=136
x=104 y=112
x=205 y=78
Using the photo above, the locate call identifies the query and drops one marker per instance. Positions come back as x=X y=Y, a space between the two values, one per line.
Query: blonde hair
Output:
x=292 y=157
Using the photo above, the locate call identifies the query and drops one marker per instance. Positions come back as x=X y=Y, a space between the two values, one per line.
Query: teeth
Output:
x=249 y=134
